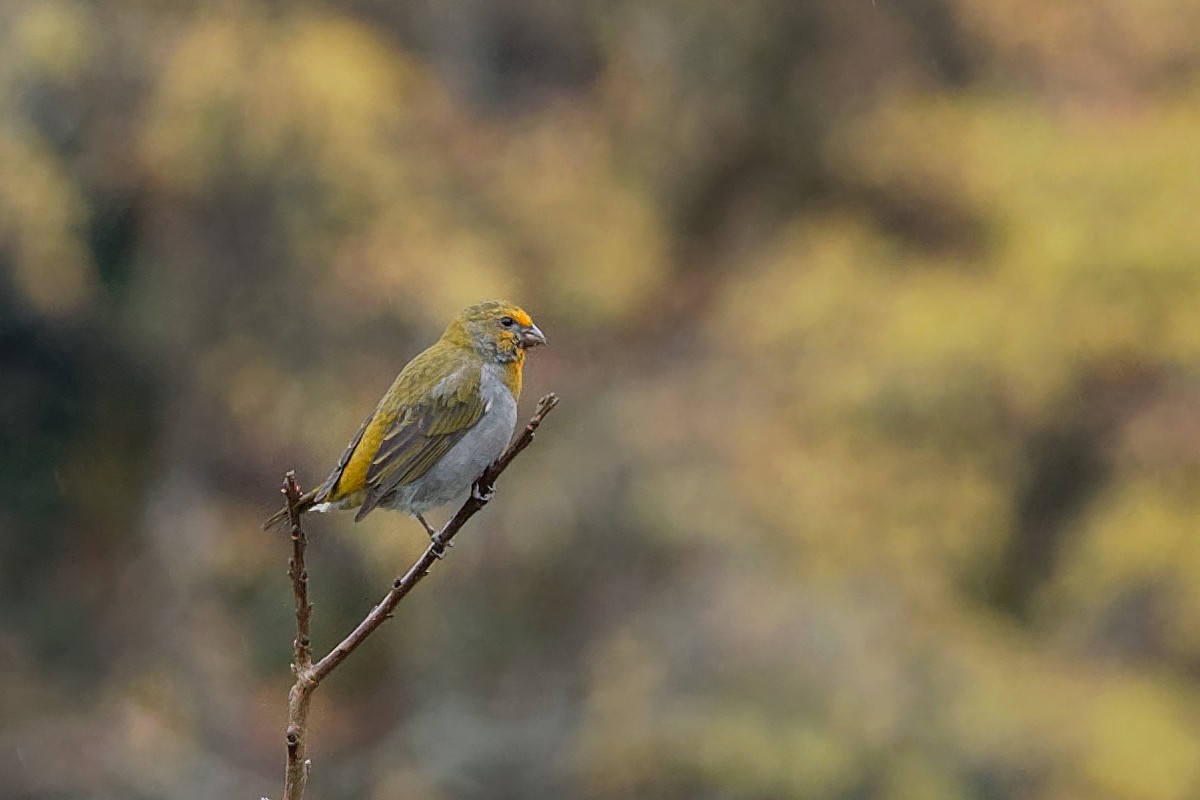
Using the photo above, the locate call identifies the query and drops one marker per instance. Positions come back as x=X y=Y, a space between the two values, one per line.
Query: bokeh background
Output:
x=877 y=328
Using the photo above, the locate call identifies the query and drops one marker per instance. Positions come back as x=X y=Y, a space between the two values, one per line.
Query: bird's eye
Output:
x=507 y=322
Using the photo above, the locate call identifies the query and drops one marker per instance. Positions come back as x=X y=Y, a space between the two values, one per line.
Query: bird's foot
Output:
x=439 y=545
x=481 y=495
x=432 y=531
x=439 y=548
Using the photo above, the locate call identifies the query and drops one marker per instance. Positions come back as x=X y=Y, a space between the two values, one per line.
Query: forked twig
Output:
x=309 y=675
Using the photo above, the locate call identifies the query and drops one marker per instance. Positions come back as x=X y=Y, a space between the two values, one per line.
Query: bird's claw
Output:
x=429 y=529
x=481 y=495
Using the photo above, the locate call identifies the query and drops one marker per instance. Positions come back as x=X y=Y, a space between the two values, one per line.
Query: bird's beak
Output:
x=532 y=336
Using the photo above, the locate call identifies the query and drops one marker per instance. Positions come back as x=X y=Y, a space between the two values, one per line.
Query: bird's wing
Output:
x=422 y=433
x=329 y=487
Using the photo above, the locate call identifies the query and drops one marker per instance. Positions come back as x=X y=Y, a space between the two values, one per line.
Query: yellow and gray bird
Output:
x=448 y=415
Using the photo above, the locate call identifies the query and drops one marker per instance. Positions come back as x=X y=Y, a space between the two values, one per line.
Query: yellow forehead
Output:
x=519 y=315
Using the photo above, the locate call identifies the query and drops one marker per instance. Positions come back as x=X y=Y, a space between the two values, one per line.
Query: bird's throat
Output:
x=513 y=373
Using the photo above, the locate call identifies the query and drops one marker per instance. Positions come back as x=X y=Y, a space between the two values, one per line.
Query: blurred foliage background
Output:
x=877 y=326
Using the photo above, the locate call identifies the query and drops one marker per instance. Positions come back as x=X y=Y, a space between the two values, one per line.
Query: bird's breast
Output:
x=496 y=387
x=470 y=456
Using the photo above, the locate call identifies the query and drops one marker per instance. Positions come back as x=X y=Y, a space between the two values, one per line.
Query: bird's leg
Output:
x=481 y=493
x=433 y=537
x=428 y=528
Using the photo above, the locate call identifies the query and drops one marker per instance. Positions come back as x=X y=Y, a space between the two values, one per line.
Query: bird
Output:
x=447 y=416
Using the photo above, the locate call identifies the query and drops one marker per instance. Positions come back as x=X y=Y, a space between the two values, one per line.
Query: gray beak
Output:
x=532 y=336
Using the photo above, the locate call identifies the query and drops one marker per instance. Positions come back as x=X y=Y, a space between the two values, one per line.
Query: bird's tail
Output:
x=307 y=501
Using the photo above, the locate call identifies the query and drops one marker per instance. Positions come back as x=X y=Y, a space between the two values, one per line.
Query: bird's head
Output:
x=497 y=330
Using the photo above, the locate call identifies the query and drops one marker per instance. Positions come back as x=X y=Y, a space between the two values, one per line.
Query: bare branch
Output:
x=298 y=572
x=309 y=675
x=481 y=493
x=298 y=698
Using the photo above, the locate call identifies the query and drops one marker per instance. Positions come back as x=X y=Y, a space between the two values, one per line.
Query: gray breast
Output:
x=470 y=456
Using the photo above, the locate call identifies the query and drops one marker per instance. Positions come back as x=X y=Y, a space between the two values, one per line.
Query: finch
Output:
x=448 y=415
